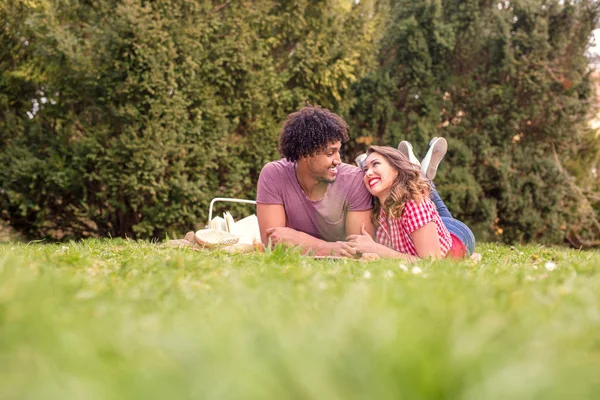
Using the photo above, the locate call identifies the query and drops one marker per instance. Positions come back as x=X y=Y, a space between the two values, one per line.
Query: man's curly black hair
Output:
x=310 y=130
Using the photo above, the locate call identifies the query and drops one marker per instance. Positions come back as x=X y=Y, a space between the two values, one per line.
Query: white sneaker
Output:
x=360 y=160
x=406 y=148
x=437 y=150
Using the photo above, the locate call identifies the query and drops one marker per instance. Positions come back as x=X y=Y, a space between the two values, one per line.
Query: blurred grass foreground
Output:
x=129 y=319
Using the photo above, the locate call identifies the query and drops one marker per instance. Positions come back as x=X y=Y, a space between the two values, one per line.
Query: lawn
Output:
x=122 y=319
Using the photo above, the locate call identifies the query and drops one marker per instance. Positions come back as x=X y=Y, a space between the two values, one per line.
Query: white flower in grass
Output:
x=388 y=274
x=416 y=270
x=403 y=267
x=475 y=258
x=550 y=266
x=367 y=275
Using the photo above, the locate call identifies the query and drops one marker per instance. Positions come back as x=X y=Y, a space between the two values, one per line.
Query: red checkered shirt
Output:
x=395 y=232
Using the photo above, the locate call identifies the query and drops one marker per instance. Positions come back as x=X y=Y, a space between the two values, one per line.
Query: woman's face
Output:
x=379 y=176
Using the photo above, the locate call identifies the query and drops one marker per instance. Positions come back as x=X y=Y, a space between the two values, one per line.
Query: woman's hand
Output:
x=372 y=250
x=362 y=243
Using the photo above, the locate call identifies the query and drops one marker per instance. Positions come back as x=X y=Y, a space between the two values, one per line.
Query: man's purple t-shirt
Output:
x=325 y=218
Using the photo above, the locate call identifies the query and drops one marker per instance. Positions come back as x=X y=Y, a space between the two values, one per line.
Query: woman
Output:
x=409 y=225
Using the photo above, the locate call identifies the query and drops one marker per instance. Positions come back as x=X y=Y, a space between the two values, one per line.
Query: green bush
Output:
x=125 y=118
x=507 y=83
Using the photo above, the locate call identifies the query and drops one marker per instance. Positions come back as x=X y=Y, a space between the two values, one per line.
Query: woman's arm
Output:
x=364 y=243
x=386 y=252
x=427 y=241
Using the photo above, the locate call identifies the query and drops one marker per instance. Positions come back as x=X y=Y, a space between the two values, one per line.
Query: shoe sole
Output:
x=405 y=148
x=360 y=160
x=440 y=148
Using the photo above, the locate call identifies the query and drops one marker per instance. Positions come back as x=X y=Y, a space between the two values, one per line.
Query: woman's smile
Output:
x=374 y=181
x=379 y=175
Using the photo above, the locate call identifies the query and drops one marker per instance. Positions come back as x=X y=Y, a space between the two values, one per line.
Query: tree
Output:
x=507 y=83
x=125 y=118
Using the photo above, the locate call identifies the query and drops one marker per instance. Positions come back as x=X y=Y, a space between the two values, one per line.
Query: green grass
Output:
x=131 y=320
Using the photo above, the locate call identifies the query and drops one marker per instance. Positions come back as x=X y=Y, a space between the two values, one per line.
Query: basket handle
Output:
x=226 y=199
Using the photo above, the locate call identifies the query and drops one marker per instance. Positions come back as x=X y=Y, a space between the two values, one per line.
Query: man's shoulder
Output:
x=349 y=172
x=274 y=181
x=350 y=181
x=277 y=170
x=278 y=166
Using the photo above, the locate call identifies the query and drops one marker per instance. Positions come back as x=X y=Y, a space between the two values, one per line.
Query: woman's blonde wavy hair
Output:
x=410 y=184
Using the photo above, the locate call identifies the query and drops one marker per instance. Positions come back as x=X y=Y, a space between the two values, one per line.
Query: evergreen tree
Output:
x=507 y=83
x=126 y=117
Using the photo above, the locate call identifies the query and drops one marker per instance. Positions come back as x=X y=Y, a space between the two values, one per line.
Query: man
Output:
x=310 y=198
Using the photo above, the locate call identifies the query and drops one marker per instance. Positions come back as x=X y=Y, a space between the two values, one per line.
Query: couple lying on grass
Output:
x=387 y=206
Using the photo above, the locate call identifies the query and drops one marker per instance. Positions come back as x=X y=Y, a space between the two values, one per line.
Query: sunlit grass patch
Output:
x=127 y=319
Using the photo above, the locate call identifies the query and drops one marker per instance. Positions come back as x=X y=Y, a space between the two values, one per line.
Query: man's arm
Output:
x=271 y=222
x=356 y=219
x=269 y=216
x=360 y=207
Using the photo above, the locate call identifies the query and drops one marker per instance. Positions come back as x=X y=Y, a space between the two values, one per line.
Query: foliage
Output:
x=507 y=83
x=127 y=117
x=126 y=319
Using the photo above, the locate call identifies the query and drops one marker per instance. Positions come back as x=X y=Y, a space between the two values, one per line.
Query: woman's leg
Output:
x=439 y=203
x=456 y=227
x=429 y=165
x=437 y=150
x=462 y=232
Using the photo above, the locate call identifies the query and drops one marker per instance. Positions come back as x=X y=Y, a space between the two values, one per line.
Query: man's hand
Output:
x=340 y=249
x=284 y=235
x=362 y=243
x=292 y=237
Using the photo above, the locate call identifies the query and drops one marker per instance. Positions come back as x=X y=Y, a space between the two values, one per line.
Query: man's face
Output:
x=323 y=165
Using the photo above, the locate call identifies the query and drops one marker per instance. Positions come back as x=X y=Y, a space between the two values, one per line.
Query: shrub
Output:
x=507 y=83
x=125 y=118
